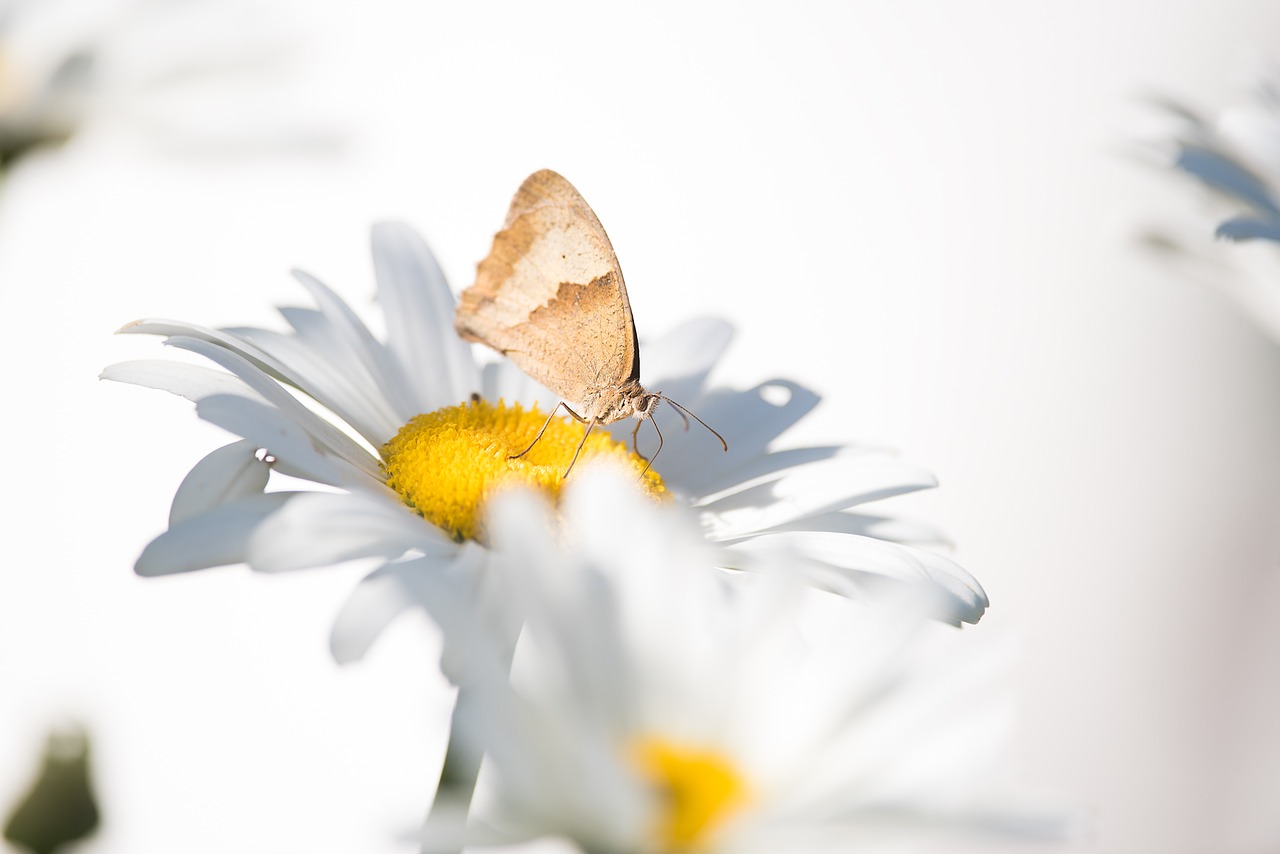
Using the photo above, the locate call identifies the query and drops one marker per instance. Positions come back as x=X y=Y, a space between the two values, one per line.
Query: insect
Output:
x=550 y=297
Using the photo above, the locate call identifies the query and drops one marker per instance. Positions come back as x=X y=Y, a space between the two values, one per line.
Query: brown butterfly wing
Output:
x=550 y=296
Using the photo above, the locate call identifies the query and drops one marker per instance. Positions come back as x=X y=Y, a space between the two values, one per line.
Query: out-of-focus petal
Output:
x=439 y=584
x=322 y=528
x=1249 y=228
x=1225 y=174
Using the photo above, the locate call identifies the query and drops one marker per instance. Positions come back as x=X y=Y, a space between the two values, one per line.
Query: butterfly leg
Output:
x=648 y=461
x=585 y=433
x=547 y=424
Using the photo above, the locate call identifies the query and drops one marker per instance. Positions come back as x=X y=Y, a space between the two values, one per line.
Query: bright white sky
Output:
x=924 y=210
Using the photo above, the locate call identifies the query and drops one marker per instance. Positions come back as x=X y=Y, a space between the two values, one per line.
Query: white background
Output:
x=926 y=211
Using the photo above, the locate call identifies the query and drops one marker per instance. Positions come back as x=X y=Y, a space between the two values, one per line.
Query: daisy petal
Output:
x=217 y=537
x=775 y=463
x=813 y=488
x=1225 y=174
x=856 y=566
x=1249 y=228
x=866 y=525
x=228 y=474
x=433 y=366
x=504 y=381
x=748 y=420
x=171 y=328
x=327 y=392
x=338 y=384
x=321 y=529
x=433 y=582
x=328 y=436
x=194 y=382
x=346 y=335
x=268 y=428
x=677 y=364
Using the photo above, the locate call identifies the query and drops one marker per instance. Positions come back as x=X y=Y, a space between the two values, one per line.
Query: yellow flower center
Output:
x=445 y=464
x=699 y=788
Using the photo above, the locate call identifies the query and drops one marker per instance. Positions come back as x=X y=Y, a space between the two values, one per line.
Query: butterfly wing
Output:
x=550 y=296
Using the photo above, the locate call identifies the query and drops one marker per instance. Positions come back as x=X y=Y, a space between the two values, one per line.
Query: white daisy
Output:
x=44 y=96
x=415 y=421
x=1237 y=154
x=1234 y=153
x=655 y=707
x=198 y=75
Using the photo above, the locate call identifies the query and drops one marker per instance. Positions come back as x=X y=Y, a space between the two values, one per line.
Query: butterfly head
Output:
x=608 y=405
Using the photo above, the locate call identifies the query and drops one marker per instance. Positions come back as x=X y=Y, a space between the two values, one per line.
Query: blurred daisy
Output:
x=653 y=707
x=43 y=97
x=423 y=435
x=1237 y=154
x=190 y=73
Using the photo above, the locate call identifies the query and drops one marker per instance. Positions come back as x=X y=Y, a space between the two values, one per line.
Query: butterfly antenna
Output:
x=683 y=412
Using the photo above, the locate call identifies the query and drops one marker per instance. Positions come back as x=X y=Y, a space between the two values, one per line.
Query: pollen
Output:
x=445 y=464
x=698 y=790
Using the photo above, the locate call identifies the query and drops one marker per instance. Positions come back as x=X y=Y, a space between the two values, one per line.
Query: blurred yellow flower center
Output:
x=699 y=789
x=446 y=463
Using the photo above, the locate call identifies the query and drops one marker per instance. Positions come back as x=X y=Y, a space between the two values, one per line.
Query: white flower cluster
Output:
x=753 y=666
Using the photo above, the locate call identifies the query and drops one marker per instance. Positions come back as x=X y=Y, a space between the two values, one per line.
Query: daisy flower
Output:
x=655 y=708
x=42 y=97
x=1237 y=154
x=407 y=435
x=1234 y=153
x=196 y=74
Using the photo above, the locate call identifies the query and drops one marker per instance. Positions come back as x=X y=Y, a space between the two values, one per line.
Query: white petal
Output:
x=811 y=489
x=504 y=381
x=269 y=363
x=434 y=365
x=228 y=474
x=443 y=586
x=328 y=378
x=344 y=333
x=326 y=435
x=677 y=364
x=202 y=385
x=748 y=420
x=294 y=449
x=170 y=328
x=911 y=532
x=194 y=382
x=322 y=529
x=215 y=538
x=858 y=567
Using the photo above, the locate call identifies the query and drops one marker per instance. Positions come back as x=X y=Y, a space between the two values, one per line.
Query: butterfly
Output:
x=550 y=297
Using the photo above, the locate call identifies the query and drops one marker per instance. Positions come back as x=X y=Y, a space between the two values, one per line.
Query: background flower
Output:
x=1232 y=152
x=778 y=719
